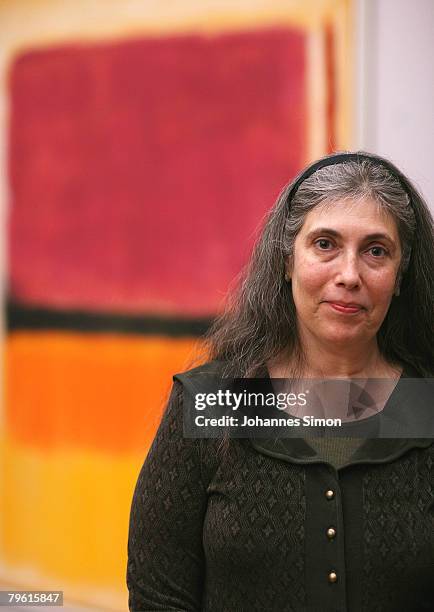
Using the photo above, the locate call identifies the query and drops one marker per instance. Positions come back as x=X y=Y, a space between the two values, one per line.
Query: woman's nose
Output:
x=348 y=271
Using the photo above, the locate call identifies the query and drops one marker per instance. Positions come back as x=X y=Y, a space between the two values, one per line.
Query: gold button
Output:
x=331 y=532
x=333 y=577
x=330 y=494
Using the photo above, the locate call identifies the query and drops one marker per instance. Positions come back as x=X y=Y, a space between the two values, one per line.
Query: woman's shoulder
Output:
x=205 y=371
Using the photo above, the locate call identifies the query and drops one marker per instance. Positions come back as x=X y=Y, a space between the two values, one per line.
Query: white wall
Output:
x=394 y=106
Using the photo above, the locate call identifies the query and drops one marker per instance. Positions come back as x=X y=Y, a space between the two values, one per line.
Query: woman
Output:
x=340 y=285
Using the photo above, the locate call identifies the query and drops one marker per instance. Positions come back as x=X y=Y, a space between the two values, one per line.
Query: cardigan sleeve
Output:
x=165 y=555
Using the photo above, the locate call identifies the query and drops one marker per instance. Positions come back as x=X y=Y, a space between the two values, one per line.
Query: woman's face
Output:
x=346 y=259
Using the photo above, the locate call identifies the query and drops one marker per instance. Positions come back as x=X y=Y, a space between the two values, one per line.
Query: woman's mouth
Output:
x=346 y=308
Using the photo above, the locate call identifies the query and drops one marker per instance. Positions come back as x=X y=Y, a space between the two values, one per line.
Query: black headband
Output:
x=340 y=158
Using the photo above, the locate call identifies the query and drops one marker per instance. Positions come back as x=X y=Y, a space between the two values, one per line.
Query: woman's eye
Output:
x=323 y=244
x=378 y=251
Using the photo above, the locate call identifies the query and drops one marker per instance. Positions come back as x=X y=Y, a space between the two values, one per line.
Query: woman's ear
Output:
x=288 y=270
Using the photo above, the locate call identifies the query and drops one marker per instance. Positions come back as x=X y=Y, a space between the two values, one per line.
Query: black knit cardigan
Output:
x=269 y=525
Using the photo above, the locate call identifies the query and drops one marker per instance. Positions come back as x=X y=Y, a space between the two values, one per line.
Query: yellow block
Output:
x=66 y=514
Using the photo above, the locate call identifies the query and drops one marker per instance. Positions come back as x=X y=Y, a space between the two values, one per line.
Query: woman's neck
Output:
x=334 y=361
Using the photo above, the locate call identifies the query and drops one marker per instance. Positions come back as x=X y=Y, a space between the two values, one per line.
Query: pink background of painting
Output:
x=140 y=170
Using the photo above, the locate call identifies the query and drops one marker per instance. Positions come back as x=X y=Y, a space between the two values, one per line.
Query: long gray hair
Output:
x=259 y=322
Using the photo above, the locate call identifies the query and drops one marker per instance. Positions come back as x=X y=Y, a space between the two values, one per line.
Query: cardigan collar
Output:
x=378 y=450
x=372 y=450
x=298 y=450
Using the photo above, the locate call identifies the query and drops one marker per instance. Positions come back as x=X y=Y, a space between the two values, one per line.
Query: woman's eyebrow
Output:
x=379 y=236
x=323 y=230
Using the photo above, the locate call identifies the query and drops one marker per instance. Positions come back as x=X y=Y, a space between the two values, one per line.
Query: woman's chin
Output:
x=343 y=336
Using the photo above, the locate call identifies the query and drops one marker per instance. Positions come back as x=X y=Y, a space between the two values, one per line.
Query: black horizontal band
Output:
x=19 y=317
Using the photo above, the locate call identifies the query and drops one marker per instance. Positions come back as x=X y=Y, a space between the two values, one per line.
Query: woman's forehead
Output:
x=363 y=215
